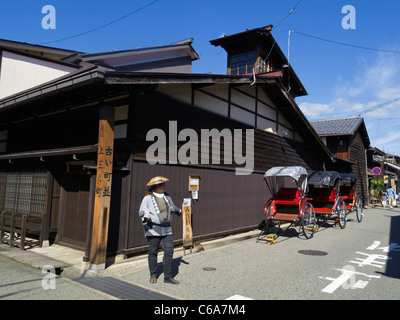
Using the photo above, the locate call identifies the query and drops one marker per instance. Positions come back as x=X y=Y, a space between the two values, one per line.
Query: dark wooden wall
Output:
x=68 y=128
x=226 y=201
x=356 y=161
x=358 y=156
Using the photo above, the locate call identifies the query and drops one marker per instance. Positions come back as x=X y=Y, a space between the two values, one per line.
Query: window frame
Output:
x=242 y=62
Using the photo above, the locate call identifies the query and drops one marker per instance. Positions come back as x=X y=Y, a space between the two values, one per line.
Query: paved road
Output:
x=21 y=282
x=362 y=261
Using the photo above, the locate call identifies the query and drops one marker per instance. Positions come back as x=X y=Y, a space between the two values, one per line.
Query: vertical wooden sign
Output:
x=187 y=225
x=103 y=188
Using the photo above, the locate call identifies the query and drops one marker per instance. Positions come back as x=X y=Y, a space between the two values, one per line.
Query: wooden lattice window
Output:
x=23 y=191
x=242 y=63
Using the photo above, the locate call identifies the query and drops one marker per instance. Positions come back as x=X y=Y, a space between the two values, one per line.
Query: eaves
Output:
x=72 y=80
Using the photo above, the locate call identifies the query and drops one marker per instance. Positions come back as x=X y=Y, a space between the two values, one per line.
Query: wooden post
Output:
x=12 y=229
x=102 y=202
x=187 y=225
x=1 y=227
x=23 y=231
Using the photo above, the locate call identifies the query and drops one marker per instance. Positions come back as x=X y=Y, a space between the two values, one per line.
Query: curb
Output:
x=72 y=271
x=140 y=262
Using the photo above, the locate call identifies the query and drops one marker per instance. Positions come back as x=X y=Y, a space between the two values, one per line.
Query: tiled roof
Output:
x=339 y=126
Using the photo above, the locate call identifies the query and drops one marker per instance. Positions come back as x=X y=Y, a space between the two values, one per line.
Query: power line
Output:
x=102 y=26
x=276 y=26
x=273 y=45
x=362 y=110
x=379 y=106
x=346 y=44
x=291 y=11
x=380 y=135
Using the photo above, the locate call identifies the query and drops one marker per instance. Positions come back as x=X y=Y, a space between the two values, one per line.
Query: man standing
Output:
x=156 y=215
x=390 y=194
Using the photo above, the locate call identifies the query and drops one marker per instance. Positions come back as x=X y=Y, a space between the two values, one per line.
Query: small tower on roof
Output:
x=256 y=50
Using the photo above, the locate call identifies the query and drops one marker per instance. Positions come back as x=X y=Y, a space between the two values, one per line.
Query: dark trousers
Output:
x=168 y=247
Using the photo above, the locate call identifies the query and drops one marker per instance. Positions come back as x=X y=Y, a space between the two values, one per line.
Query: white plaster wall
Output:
x=19 y=73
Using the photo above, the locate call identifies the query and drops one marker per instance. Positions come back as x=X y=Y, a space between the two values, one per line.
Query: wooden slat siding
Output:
x=240 y=200
x=239 y=203
x=214 y=214
x=269 y=148
x=68 y=128
x=273 y=150
x=356 y=163
x=357 y=154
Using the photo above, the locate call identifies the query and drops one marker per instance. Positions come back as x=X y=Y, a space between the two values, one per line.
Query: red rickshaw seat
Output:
x=347 y=192
x=290 y=196
x=322 y=194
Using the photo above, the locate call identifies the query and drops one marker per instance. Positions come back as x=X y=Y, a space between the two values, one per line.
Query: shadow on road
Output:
x=393 y=264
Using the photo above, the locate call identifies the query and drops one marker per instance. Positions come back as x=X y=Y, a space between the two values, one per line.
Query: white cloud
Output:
x=390 y=136
x=315 y=109
x=389 y=93
x=354 y=92
x=373 y=84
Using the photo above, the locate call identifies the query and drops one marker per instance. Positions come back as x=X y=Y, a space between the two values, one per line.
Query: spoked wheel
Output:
x=269 y=226
x=342 y=213
x=359 y=210
x=308 y=220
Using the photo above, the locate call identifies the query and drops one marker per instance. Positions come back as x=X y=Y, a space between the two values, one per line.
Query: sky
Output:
x=346 y=72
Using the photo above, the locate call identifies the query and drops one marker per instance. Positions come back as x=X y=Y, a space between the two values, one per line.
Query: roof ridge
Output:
x=343 y=118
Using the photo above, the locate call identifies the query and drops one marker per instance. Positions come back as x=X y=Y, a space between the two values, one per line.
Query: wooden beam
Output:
x=187 y=226
x=103 y=188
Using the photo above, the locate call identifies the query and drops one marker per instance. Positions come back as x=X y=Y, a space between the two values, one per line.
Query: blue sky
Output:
x=341 y=80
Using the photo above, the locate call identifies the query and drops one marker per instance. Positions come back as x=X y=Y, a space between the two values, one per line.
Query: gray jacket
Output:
x=156 y=225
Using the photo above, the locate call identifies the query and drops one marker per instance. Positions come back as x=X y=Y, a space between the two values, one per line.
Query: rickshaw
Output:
x=323 y=191
x=349 y=194
x=288 y=205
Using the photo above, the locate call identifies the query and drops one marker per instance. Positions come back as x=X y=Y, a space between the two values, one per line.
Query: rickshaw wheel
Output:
x=308 y=220
x=342 y=214
x=271 y=226
x=359 y=210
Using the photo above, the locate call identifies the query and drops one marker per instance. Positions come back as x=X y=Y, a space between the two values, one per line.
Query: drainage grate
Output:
x=313 y=252
x=209 y=269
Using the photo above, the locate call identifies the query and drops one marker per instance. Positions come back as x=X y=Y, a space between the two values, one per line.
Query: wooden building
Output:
x=52 y=152
x=389 y=166
x=348 y=141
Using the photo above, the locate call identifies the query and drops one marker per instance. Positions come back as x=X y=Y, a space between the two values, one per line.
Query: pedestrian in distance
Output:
x=384 y=199
x=390 y=194
x=398 y=199
x=155 y=213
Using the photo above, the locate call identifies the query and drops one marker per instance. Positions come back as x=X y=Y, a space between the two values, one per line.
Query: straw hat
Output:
x=157 y=180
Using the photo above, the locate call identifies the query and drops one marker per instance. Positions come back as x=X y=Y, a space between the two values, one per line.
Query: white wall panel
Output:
x=19 y=73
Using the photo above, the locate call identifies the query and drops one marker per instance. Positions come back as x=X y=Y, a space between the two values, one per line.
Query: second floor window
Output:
x=242 y=63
